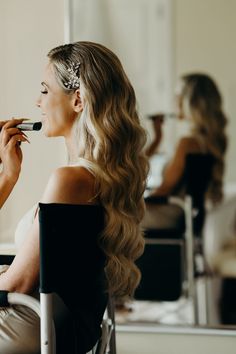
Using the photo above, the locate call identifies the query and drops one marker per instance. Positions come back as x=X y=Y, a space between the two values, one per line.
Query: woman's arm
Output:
x=174 y=170
x=73 y=185
x=157 y=121
x=6 y=186
x=10 y=156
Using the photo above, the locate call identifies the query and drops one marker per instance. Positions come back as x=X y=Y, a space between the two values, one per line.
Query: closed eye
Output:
x=44 y=89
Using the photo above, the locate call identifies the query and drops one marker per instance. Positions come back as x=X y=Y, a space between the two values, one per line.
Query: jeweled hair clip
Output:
x=74 y=82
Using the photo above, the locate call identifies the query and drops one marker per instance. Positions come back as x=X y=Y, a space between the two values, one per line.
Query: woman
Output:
x=199 y=101
x=10 y=156
x=87 y=98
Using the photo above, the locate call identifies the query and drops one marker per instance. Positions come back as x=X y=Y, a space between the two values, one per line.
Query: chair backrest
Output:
x=198 y=174
x=161 y=266
x=6 y=259
x=72 y=265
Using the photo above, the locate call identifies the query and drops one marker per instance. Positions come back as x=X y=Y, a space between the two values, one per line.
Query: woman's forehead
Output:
x=49 y=77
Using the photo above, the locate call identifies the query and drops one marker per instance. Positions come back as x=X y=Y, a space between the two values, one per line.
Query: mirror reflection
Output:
x=180 y=70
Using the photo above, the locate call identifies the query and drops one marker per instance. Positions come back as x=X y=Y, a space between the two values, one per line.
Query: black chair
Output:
x=72 y=267
x=6 y=259
x=227 y=301
x=168 y=262
x=197 y=178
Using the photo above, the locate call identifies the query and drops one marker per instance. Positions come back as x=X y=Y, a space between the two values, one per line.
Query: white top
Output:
x=24 y=225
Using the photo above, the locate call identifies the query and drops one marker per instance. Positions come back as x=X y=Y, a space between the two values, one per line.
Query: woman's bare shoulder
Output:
x=70 y=184
x=189 y=144
x=73 y=173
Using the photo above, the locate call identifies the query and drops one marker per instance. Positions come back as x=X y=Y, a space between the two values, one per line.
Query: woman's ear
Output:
x=77 y=102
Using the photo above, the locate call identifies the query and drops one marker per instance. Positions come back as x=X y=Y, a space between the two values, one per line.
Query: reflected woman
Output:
x=198 y=101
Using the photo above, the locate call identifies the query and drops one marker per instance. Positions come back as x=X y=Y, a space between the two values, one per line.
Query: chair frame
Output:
x=43 y=309
x=189 y=285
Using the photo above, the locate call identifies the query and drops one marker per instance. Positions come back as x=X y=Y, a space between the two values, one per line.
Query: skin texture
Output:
x=70 y=184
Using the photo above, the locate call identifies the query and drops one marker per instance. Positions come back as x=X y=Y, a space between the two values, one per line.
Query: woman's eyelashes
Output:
x=44 y=89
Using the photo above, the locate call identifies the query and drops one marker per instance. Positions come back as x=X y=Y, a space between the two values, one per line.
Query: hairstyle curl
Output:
x=111 y=144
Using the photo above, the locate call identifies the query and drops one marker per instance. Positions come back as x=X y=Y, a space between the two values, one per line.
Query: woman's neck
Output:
x=71 y=148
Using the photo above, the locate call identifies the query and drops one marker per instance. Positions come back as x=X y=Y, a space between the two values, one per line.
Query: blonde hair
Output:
x=203 y=103
x=111 y=144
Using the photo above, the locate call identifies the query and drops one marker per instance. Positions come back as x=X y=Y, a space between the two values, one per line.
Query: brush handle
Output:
x=29 y=126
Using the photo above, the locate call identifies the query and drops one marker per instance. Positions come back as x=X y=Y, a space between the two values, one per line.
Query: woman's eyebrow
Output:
x=44 y=84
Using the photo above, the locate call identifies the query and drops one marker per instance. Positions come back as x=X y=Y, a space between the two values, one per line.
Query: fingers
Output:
x=5 y=124
x=158 y=118
x=9 y=130
x=15 y=140
x=2 y=122
x=7 y=134
x=11 y=123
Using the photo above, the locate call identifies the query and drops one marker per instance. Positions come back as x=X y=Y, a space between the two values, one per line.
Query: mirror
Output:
x=157 y=41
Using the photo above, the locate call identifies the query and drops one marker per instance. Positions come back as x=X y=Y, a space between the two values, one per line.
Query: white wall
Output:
x=140 y=33
x=205 y=41
x=28 y=30
x=173 y=343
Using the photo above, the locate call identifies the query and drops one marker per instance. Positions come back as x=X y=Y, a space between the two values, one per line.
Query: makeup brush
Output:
x=29 y=126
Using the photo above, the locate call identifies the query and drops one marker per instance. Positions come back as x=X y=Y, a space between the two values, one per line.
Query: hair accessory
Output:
x=74 y=75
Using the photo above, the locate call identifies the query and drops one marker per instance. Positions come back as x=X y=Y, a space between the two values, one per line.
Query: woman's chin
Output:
x=46 y=132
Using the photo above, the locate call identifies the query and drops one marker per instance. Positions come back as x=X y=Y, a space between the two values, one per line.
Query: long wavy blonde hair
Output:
x=111 y=144
x=202 y=102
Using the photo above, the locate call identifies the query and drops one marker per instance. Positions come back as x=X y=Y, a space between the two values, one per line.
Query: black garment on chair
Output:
x=163 y=263
x=72 y=265
x=6 y=259
x=197 y=177
x=227 y=303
